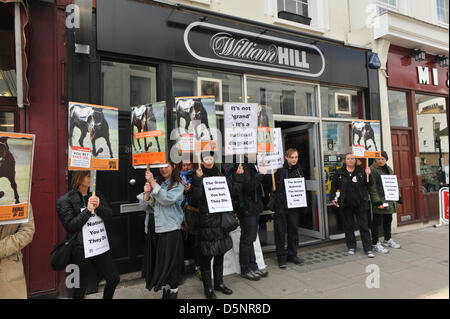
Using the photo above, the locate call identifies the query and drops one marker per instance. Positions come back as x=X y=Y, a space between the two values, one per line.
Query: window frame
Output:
x=439 y=21
x=8 y=104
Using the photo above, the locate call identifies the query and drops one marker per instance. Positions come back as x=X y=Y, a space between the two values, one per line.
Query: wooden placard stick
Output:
x=367 y=165
x=93 y=184
x=199 y=160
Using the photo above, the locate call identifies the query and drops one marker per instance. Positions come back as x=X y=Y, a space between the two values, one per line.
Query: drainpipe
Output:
x=18 y=38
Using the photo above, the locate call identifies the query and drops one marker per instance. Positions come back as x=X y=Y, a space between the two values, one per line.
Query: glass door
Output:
x=304 y=138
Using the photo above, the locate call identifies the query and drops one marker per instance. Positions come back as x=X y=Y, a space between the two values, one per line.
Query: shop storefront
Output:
x=147 y=52
x=418 y=87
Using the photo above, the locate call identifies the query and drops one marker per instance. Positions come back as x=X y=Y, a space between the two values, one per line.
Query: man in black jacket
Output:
x=287 y=219
x=351 y=180
x=247 y=193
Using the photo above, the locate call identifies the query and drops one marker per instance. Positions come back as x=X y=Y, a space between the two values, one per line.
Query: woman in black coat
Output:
x=213 y=241
x=351 y=180
x=74 y=210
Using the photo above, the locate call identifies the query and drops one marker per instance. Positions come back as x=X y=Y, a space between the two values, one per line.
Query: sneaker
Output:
x=370 y=254
x=391 y=243
x=351 y=251
x=250 y=275
x=282 y=262
x=263 y=273
x=296 y=260
x=380 y=249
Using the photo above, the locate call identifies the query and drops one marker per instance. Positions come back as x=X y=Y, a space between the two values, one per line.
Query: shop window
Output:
x=125 y=85
x=341 y=103
x=398 y=109
x=433 y=143
x=225 y=87
x=442 y=10
x=8 y=86
x=284 y=97
x=6 y=121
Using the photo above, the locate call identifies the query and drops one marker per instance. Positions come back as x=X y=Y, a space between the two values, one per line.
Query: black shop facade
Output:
x=137 y=53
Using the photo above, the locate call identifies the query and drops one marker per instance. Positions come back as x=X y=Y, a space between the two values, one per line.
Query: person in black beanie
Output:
x=381 y=208
x=213 y=241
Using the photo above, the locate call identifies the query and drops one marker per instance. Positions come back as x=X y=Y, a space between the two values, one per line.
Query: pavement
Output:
x=418 y=270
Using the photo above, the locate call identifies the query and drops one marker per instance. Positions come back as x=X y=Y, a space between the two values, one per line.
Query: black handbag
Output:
x=228 y=222
x=60 y=255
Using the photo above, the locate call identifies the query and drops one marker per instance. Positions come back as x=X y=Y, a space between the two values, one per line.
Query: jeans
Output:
x=249 y=232
x=378 y=219
x=348 y=219
x=286 y=221
x=104 y=265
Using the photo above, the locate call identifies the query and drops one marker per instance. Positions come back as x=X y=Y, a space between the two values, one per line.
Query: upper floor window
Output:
x=389 y=3
x=442 y=10
x=299 y=7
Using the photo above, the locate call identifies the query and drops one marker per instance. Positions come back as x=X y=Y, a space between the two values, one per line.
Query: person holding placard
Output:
x=14 y=238
x=190 y=210
x=286 y=220
x=165 y=270
x=214 y=241
x=75 y=208
x=382 y=208
x=351 y=180
x=248 y=192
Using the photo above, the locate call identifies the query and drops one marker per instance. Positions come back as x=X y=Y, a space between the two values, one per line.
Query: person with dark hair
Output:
x=214 y=241
x=381 y=208
x=351 y=180
x=191 y=212
x=165 y=254
x=248 y=192
x=286 y=220
x=75 y=208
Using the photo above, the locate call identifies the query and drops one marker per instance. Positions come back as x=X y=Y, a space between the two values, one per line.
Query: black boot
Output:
x=207 y=285
x=218 y=280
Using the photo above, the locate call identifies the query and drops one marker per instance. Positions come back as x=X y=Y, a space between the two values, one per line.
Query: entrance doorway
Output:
x=303 y=137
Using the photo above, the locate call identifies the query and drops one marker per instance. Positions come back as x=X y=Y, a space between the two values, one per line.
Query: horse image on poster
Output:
x=89 y=119
x=8 y=167
x=192 y=110
x=144 y=120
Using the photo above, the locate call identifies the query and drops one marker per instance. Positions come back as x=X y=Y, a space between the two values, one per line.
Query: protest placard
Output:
x=196 y=121
x=366 y=137
x=240 y=128
x=95 y=239
x=390 y=187
x=94 y=128
x=273 y=160
x=148 y=129
x=295 y=192
x=217 y=194
x=16 y=167
x=266 y=125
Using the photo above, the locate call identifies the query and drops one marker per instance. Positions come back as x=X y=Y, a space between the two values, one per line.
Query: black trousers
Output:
x=377 y=220
x=348 y=213
x=205 y=267
x=249 y=233
x=286 y=222
x=105 y=267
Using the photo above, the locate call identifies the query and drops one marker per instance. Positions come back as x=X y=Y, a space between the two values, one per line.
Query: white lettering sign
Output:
x=390 y=187
x=95 y=239
x=217 y=194
x=295 y=192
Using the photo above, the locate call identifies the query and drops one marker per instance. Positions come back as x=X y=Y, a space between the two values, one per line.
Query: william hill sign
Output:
x=229 y=46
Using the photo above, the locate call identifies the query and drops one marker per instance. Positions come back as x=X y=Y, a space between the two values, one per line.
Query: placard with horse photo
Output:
x=93 y=137
x=16 y=168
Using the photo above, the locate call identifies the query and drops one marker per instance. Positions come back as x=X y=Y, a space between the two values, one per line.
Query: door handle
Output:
x=132 y=182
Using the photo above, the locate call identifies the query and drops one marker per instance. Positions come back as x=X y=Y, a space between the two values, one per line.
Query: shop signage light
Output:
x=442 y=60
x=254 y=50
x=418 y=55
